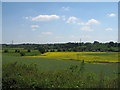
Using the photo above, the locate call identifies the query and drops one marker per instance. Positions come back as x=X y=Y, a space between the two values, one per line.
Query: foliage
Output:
x=65 y=47
x=50 y=68
x=6 y=51
x=28 y=76
x=17 y=51
x=41 y=50
x=28 y=50
x=22 y=53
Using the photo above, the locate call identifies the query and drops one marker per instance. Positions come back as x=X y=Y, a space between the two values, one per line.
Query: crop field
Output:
x=53 y=66
x=53 y=61
x=79 y=56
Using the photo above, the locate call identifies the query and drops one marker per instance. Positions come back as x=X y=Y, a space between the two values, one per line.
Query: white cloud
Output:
x=34 y=26
x=92 y=21
x=86 y=28
x=47 y=33
x=108 y=29
x=45 y=17
x=66 y=8
x=111 y=15
x=72 y=20
x=34 y=29
x=89 y=22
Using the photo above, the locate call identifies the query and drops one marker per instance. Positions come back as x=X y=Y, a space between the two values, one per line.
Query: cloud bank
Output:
x=45 y=17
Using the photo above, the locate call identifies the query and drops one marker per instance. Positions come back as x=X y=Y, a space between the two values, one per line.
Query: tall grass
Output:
x=16 y=75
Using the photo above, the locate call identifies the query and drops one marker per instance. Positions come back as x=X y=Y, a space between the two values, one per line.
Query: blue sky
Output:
x=59 y=22
x=1 y=22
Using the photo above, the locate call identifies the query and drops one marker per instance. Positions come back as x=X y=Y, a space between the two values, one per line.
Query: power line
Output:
x=80 y=41
x=12 y=42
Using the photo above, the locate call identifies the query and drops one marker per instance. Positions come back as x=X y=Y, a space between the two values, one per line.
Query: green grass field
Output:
x=54 y=66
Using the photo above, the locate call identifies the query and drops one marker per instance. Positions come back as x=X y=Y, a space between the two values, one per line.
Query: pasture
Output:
x=75 y=67
x=55 y=61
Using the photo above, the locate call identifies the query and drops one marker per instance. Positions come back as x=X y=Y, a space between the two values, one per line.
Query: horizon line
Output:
x=62 y=42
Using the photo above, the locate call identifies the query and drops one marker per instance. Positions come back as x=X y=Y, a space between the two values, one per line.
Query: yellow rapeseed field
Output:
x=86 y=56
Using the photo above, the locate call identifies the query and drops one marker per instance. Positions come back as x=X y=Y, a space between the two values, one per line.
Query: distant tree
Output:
x=28 y=50
x=16 y=51
x=59 y=50
x=47 y=51
x=63 y=50
x=111 y=43
x=41 y=50
x=6 y=51
x=22 y=53
x=52 y=50
x=96 y=42
x=75 y=50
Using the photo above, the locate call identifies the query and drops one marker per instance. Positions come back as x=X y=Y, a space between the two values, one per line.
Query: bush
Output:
x=47 y=51
x=41 y=50
x=22 y=54
x=52 y=50
x=28 y=50
x=17 y=51
x=59 y=50
x=16 y=75
x=6 y=51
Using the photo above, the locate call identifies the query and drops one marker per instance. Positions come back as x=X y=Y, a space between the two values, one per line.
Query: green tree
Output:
x=28 y=50
x=22 y=53
x=6 y=51
x=41 y=50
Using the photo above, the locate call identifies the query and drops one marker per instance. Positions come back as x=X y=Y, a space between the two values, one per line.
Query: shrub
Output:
x=6 y=51
x=22 y=54
x=16 y=75
x=52 y=50
x=59 y=50
x=47 y=51
x=41 y=50
x=28 y=50
x=17 y=51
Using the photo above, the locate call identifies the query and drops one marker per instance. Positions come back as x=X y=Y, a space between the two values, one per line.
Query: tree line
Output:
x=69 y=47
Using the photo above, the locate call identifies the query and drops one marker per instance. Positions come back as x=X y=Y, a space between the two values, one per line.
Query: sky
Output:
x=60 y=0
x=0 y=23
x=59 y=22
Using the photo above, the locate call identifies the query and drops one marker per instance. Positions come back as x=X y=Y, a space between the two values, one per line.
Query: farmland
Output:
x=59 y=45
x=53 y=64
x=79 y=56
x=34 y=69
